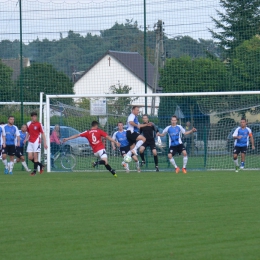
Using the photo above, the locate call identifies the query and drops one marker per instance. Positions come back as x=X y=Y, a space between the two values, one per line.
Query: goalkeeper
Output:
x=149 y=132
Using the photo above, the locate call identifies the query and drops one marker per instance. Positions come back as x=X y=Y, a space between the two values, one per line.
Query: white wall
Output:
x=99 y=78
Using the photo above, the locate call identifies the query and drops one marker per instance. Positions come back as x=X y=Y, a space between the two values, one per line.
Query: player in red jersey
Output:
x=34 y=130
x=94 y=136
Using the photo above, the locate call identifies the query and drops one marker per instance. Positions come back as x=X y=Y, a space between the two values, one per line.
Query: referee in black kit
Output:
x=149 y=132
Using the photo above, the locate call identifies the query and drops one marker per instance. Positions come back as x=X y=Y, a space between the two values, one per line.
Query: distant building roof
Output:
x=14 y=64
x=134 y=62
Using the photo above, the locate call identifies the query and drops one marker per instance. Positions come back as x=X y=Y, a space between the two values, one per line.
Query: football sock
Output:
x=101 y=162
x=25 y=165
x=129 y=154
x=185 y=160
x=173 y=162
x=138 y=144
x=142 y=156
x=108 y=167
x=137 y=164
x=5 y=163
x=155 y=158
x=39 y=164
x=236 y=162
x=11 y=166
x=125 y=165
x=35 y=167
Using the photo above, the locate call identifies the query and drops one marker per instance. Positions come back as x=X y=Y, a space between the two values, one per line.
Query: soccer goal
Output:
x=215 y=115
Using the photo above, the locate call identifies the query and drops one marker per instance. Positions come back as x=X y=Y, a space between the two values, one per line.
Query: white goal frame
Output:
x=182 y=94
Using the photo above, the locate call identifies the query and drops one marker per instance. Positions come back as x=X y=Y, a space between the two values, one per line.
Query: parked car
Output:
x=79 y=146
x=256 y=134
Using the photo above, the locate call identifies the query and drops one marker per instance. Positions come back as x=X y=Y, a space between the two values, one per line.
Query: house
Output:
x=14 y=64
x=126 y=68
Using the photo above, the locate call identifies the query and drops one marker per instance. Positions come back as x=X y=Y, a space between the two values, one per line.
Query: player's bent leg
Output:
x=140 y=140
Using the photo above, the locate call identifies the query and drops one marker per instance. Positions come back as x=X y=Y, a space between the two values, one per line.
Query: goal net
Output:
x=214 y=115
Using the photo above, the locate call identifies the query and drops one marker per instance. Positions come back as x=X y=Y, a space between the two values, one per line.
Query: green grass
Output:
x=201 y=215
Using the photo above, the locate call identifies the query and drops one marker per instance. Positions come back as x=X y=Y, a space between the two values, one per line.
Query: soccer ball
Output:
x=127 y=159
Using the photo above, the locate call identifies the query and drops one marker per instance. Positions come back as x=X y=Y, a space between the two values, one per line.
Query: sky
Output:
x=49 y=18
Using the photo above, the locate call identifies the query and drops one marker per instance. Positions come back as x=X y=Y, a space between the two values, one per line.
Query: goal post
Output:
x=214 y=114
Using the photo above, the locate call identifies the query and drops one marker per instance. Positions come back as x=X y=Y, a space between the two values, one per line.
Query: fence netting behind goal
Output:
x=211 y=147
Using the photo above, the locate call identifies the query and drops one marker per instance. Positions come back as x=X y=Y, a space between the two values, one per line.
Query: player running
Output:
x=34 y=132
x=241 y=136
x=149 y=132
x=132 y=133
x=11 y=133
x=94 y=136
x=124 y=148
x=20 y=149
x=176 y=146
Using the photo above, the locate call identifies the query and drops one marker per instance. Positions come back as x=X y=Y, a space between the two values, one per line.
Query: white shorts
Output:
x=101 y=153
x=33 y=147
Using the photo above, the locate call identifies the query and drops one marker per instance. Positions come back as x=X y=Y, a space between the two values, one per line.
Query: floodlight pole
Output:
x=21 y=60
x=145 y=58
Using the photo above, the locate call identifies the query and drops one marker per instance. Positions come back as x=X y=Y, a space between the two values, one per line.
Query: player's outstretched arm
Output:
x=191 y=131
x=112 y=140
x=71 y=137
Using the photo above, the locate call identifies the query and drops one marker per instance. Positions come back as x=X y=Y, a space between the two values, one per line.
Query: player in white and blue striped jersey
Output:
x=11 y=132
x=241 y=136
x=120 y=136
x=175 y=143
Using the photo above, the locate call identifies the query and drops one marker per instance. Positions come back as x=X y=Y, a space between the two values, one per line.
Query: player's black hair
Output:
x=10 y=117
x=34 y=114
x=175 y=117
x=119 y=123
x=94 y=123
x=145 y=115
x=243 y=118
x=134 y=107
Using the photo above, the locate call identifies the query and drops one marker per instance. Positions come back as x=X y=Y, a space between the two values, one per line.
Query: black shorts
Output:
x=131 y=137
x=149 y=143
x=124 y=150
x=176 y=149
x=19 y=152
x=9 y=150
x=238 y=150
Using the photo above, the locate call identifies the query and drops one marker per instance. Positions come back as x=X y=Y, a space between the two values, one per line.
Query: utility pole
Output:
x=158 y=61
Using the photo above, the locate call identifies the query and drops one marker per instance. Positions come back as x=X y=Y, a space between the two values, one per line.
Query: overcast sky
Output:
x=47 y=18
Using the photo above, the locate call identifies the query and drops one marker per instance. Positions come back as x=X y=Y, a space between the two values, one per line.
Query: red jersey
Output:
x=94 y=137
x=34 y=129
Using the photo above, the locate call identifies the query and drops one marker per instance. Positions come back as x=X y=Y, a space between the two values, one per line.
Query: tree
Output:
x=190 y=75
x=42 y=77
x=121 y=105
x=245 y=69
x=240 y=22
x=7 y=91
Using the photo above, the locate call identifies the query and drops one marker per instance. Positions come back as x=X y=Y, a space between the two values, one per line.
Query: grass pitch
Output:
x=201 y=215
